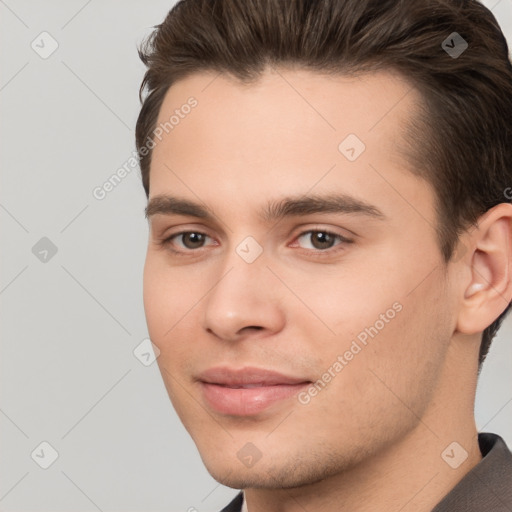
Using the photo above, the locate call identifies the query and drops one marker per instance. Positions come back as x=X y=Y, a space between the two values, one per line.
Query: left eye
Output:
x=321 y=240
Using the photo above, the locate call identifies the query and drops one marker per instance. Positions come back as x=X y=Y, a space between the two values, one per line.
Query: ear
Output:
x=488 y=290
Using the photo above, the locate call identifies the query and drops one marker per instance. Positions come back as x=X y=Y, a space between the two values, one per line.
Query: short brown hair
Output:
x=460 y=140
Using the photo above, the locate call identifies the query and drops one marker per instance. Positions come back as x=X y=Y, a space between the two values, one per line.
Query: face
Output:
x=293 y=282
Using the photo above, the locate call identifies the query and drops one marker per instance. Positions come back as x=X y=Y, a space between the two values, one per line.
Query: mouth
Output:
x=247 y=391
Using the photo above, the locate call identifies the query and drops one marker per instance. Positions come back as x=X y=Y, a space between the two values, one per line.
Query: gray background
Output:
x=70 y=323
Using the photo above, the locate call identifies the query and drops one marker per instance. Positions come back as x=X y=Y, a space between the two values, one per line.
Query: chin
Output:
x=288 y=473
x=251 y=479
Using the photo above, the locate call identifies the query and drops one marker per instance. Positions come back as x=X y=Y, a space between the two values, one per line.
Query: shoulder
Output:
x=488 y=486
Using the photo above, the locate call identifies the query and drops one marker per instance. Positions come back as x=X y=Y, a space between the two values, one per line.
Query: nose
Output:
x=245 y=299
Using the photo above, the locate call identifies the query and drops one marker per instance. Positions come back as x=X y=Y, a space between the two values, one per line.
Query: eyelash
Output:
x=167 y=242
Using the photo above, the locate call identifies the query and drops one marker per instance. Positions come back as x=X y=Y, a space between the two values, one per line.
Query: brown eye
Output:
x=320 y=240
x=191 y=239
x=188 y=243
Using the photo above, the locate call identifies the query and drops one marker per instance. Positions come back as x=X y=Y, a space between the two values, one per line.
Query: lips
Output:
x=247 y=391
x=247 y=377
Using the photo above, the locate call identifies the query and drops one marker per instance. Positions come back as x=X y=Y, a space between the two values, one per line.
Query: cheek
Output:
x=385 y=384
x=404 y=360
x=386 y=331
x=169 y=298
x=335 y=305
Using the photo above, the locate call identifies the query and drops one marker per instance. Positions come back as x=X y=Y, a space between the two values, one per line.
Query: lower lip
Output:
x=247 y=401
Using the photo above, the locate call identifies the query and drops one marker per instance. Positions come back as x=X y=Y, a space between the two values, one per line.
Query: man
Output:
x=330 y=246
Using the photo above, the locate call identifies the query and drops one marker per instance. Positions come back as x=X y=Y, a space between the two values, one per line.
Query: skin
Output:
x=372 y=438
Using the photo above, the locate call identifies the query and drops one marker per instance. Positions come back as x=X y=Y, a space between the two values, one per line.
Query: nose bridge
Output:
x=244 y=267
x=243 y=295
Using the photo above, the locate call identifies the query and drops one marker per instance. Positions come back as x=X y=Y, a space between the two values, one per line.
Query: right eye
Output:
x=189 y=241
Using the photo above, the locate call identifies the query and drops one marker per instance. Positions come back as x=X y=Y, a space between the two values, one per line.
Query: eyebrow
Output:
x=273 y=211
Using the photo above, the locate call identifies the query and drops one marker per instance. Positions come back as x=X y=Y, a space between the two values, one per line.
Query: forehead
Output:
x=290 y=132
x=296 y=104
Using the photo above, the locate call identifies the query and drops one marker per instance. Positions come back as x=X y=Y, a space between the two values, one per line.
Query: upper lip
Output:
x=247 y=376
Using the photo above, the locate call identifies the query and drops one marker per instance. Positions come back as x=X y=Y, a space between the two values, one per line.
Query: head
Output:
x=350 y=225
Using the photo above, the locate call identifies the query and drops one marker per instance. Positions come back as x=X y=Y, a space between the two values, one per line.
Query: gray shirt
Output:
x=486 y=488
